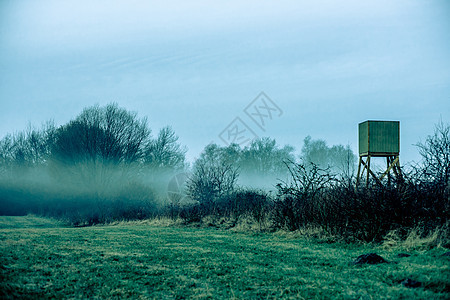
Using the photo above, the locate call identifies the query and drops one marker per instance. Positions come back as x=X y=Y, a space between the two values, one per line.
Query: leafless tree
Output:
x=435 y=152
x=338 y=158
x=165 y=152
x=211 y=181
x=100 y=147
x=109 y=135
x=27 y=149
x=263 y=156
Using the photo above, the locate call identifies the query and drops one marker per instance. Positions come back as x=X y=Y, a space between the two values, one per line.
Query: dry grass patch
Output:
x=418 y=239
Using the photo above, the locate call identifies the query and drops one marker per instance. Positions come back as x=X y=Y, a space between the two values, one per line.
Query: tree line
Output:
x=105 y=165
x=109 y=135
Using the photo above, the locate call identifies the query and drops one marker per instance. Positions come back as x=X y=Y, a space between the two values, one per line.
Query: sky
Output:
x=223 y=71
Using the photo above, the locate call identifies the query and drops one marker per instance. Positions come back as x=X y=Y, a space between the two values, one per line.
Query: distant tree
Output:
x=43 y=141
x=338 y=159
x=264 y=157
x=316 y=152
x=29 y=148
x=231 y=155
x=5 y=152
x=214 y=154
x=343 y=160
x=164 y=152
x=260 y=164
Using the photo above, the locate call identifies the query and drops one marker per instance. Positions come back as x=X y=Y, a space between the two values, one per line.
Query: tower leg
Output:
x=359 y=171
x=388 y=164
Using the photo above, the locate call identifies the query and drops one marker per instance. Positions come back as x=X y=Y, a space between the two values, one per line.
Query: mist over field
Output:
x=108 y=156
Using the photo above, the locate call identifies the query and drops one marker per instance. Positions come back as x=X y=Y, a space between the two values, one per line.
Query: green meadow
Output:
x=43 y=259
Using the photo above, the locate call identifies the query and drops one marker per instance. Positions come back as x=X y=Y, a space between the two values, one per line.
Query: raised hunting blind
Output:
x=379 y=139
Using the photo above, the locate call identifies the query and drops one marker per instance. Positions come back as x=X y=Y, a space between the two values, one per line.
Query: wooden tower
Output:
x=379 y=139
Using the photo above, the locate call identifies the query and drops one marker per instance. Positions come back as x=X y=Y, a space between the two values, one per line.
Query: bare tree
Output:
x=338 y=158
x=109 y=135
x=165 y=152
x=264 y=157
x=89 y=149
x=307 y=180
x=29 y=148
x=211 y=181
x=435 y=152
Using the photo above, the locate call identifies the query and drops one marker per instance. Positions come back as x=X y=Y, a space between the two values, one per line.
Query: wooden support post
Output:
x=392 y=164
x=388 y=165
x=359 y=170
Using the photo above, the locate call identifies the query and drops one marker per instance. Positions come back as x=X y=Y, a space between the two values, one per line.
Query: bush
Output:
x=360 y=214
x=234 y=206
x=298 y=202
x=209 y=182
x=192 y=213
x=245 y=202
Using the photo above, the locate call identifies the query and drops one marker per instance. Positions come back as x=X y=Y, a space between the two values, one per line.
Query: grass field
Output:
x=42 y=259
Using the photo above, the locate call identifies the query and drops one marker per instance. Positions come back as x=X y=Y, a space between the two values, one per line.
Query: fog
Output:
x=105 y=164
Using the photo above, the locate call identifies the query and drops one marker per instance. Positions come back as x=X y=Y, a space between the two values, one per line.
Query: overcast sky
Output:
x=197 y=65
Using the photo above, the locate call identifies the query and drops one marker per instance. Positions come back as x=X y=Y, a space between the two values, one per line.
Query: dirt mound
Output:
x=403 y=255
x=411 y=283
x=370 y=258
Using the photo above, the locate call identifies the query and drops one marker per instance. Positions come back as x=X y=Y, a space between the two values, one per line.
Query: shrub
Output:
x=192 y=213
x=210 y=182
x=298 y=202
x=245 y=202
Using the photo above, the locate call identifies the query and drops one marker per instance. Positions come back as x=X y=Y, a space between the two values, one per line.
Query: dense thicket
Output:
x=320 y=190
